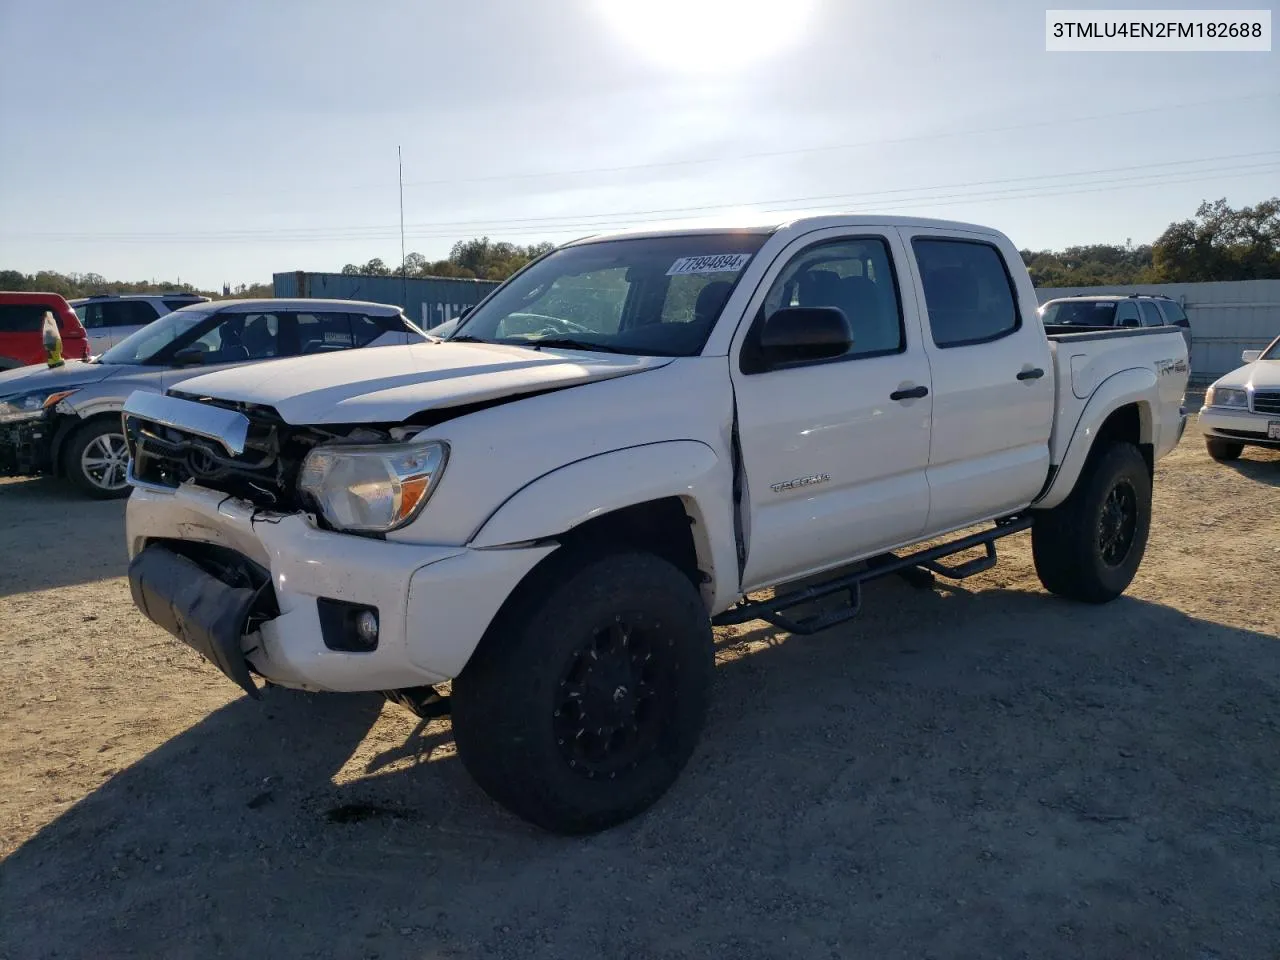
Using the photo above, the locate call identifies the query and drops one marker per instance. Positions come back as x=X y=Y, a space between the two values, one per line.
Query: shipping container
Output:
x=427 y=301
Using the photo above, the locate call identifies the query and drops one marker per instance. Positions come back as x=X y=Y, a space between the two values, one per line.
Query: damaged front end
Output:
x=25 y=447
x=209 y=597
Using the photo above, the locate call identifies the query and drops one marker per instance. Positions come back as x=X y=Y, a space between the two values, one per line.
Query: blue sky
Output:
x=230 y=140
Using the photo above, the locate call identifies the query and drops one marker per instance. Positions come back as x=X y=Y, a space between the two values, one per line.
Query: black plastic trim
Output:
x=1053 y=332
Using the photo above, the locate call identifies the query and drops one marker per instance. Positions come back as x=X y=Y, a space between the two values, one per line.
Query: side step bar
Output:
x=772 y=610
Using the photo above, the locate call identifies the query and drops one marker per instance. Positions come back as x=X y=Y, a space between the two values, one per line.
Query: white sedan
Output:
x=1242 y=409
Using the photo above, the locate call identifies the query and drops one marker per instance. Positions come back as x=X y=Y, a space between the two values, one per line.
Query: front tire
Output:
x=1223 y=450
x=1088 y=548
x=587 y=696
x=97 y=459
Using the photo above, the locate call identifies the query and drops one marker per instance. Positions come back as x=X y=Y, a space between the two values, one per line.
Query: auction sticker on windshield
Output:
x=713 y=263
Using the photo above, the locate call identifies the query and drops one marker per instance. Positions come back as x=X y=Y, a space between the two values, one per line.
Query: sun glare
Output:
x=707 y=36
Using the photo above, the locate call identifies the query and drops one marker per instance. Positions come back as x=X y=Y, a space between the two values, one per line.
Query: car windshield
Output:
x=1272 y=352
x=658 y=296
x=1080 y=313
x=154 y=337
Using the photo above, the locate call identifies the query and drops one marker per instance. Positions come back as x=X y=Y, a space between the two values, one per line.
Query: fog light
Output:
x=349 y=627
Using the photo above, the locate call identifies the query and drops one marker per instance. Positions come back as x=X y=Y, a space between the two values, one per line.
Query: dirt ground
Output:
x=970 y=771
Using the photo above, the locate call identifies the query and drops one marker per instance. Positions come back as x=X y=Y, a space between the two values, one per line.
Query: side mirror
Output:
x=799 y=334
x=1251 y=356
x=190 y=357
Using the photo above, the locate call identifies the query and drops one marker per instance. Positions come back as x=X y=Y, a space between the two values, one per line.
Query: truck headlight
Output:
x=1226 y=397
x=29 y=406
x=373 y=488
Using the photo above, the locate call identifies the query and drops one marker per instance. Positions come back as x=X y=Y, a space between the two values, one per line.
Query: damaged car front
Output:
x=345 y=509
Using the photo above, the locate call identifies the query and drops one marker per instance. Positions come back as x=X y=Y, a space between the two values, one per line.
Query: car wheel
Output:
x=587 y=696
x=97 y=459
x=1089 y=547
x=1223 y=450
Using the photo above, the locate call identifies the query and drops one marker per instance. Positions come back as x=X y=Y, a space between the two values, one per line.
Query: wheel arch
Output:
x=672 y=499
x=1119 y=410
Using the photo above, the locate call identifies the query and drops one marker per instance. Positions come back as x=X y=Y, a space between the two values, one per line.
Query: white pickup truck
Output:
x=613 y=451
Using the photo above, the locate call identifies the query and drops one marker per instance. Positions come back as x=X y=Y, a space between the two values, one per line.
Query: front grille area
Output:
x=265 y=474
x=1266 y=401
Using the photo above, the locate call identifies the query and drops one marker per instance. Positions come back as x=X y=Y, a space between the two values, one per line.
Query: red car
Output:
x=21 y=329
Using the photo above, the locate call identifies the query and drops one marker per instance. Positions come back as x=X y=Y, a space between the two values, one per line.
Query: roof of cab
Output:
x=767 y=223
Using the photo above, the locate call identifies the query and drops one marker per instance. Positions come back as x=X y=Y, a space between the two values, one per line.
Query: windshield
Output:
x=141 y=346
x=1080 y=313
x=1272 y=352
x=658 y=296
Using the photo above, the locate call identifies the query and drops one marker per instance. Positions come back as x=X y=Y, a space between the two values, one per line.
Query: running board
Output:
x=772 y=610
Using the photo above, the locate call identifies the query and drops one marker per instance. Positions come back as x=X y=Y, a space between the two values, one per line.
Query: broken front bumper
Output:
x=204 y=612
x=433 y=602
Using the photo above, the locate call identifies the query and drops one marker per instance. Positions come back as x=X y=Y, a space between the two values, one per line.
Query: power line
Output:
x=798 y=151
x=597 y=221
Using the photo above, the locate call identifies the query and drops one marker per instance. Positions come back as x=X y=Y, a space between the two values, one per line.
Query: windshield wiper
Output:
x=568 y=343
x=465 y=338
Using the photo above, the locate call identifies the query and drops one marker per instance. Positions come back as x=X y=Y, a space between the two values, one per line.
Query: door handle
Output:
x=1035 y=373
x=915 y=393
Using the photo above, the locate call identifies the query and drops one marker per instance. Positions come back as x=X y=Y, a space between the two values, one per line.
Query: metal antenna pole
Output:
x=404 y=276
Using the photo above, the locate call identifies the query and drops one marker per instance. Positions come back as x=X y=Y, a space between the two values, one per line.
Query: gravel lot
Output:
x=970 y=771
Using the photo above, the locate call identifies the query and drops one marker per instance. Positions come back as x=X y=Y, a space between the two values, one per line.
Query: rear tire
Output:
x=587 y=695
x=1089 y=547
x=1223 y=450
x=97 y=458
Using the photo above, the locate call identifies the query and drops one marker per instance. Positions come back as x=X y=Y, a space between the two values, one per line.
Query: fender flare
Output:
x=572 y=494
x=1135 y=385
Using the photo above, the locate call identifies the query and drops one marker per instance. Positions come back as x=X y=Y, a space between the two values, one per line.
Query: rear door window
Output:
x=324 y=332
x=1127 y=314
x=22 y=317
x=1150 y=314
x=127 y=313
x=968 y=292
x=1175 y=314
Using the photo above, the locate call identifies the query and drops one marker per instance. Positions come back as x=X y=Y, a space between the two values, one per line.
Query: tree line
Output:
x=73 y=285
x=1218 y=243
x=478 y=259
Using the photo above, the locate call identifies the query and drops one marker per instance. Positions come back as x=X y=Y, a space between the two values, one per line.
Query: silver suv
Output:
x=109 y=318
x=1117 y=310
x=66 y=420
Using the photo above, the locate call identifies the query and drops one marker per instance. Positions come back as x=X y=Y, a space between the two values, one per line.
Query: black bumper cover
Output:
x=206 y=614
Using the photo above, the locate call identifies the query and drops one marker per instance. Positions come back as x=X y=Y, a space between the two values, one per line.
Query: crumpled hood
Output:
x=1262 y=374
x=390 y=384
x=40 y=377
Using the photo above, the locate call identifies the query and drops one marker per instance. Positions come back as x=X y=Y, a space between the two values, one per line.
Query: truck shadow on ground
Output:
x=49 y=552
x=953 y=773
